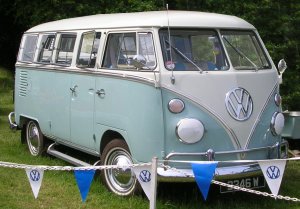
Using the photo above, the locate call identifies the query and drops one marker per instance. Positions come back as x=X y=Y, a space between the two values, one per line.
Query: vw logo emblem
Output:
x=35 y=175
x=239 y=104
x=145 y=176
x=273 y=172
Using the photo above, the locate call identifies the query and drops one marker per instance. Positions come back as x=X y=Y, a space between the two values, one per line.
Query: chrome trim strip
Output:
x=213 y=114
x=259 y=116
x=73 y=146
x=120 y=75
x=208 y=154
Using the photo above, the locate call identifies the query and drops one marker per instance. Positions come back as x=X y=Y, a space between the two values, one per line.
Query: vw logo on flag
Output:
x=145 y=176
x=273 y=172
x=35 y=175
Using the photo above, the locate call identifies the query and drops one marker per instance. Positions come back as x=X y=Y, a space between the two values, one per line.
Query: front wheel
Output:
x=34 y=138
x=120 y=181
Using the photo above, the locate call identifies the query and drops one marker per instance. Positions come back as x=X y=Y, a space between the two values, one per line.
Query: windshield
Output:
x=192 y=50
x=244 y=50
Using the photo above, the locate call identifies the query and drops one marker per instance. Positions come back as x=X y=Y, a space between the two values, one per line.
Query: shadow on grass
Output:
x=188 y=195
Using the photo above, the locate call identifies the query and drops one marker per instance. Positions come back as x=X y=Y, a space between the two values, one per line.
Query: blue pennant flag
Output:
x=84 y=179
x=204 y=173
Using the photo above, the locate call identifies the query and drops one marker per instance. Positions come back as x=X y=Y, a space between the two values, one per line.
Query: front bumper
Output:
x=225 y=169
x=166 y=174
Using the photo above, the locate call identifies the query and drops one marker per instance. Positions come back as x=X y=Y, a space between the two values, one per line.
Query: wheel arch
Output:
x=108 y=136
x=22 y=124
x=24 y=119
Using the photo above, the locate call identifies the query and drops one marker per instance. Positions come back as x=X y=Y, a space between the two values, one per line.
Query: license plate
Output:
x=249 y=183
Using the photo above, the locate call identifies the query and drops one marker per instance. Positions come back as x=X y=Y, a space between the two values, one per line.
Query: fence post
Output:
x=153 y=183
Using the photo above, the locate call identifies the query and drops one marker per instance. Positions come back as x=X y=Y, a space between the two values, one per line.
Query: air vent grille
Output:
x=23 y=84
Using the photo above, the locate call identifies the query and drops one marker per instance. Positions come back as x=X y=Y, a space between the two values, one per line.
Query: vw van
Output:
x=181 y=86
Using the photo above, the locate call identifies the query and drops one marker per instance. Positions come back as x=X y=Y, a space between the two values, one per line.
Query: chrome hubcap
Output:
x=33 y=138
x=122 y=180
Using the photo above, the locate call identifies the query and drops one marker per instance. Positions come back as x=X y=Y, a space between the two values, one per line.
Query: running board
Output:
x=67 y=158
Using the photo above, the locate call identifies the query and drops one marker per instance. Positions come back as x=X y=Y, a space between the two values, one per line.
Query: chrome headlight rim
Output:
x=277 y=99
x=188 y=141
x=277 y=117
x=179 y=104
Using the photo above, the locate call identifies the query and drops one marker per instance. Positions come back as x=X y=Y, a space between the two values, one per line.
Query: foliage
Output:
x=277 y=22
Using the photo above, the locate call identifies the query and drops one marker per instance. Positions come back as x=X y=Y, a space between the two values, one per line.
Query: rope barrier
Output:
x=69 y=168
x=161 y=163
x=255 y=192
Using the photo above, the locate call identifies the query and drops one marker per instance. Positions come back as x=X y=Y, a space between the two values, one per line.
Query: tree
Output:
x=277 y=21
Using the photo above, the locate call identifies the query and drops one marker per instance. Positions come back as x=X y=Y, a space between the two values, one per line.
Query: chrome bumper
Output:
x=12 y=125
x=210 y=154
x=221 y=173
x=225 y=169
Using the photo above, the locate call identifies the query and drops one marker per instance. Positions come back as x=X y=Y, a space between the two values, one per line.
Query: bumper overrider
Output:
x=12 y=125
x=225 y=169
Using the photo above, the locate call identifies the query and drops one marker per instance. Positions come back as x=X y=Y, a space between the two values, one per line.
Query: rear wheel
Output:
x=119 y=181
x=34 y=138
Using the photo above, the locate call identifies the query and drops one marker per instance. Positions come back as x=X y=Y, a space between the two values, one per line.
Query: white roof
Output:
x=145 y=19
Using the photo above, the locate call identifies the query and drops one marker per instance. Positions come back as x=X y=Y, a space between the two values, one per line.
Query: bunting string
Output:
x=162 y=163
x=237 y=188
x=203 y=172
x=243 y=189
x=69 y=168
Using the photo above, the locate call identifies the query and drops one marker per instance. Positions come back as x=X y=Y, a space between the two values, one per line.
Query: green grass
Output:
x=59 y=188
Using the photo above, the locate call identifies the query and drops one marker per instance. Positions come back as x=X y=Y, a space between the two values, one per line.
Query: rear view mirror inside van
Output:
x=139 y=61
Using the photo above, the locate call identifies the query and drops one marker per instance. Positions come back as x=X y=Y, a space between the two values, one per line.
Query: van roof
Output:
x=145 y=19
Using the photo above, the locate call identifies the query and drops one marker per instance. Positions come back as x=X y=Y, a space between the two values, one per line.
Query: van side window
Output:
x=122 y=48
x=146 y=49
x=27 y=48
x=46 y=48
x=88 y=49
x=65 y=49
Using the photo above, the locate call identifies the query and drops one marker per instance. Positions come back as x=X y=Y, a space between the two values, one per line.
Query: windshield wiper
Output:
x=185 y=57
x=241 y=53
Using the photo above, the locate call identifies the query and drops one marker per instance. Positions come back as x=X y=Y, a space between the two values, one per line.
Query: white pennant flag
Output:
x=35 y=177
x=144 y=176
x=273 y=172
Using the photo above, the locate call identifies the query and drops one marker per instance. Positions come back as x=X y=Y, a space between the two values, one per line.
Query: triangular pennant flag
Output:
x=84 y=179
x=144 y=176
x=35 y=177
x=273 y=172
x=204 y=173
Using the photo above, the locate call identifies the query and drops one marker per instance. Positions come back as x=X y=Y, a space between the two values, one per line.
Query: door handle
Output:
x=100 y=93
x=73 y=90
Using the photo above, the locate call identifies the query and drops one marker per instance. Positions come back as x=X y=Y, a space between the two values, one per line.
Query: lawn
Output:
x=59 y=188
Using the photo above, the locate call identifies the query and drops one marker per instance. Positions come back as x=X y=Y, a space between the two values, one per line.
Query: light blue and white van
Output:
x=182 y=86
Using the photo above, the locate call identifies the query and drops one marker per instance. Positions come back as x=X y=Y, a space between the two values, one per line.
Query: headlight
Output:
x=176 y=106
x=277 y=99
x=277 y=123
x=189 y=130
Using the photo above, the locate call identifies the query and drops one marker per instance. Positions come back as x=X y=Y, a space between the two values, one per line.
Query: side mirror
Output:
x=139 y=61
x=282 y=66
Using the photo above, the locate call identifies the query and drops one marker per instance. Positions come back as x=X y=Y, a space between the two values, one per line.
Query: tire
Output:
x=119 y=181
x=34 y=138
